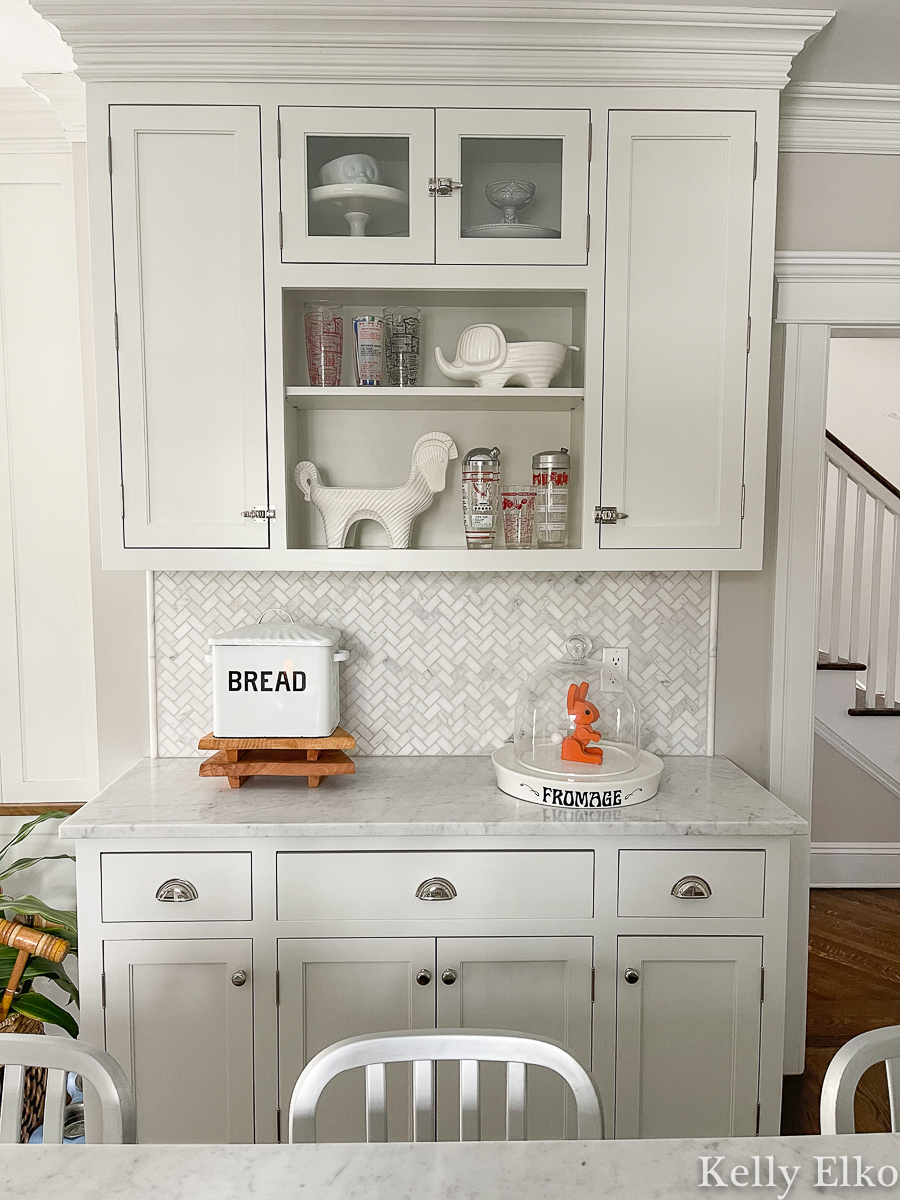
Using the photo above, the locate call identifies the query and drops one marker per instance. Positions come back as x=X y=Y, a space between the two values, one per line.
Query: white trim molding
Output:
x=29 y=124
x=858 y=759
x=840 y=118
x=837 y=289
x=855 y=864
x=64 y=92
x=439 y=41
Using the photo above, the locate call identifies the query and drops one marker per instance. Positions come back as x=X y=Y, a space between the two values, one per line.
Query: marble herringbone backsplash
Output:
x=436 y=659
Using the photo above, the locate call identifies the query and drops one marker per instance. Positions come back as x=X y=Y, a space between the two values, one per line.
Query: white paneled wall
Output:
x=56 y=743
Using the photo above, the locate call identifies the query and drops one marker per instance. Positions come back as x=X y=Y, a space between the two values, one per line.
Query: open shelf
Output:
x=433 y=399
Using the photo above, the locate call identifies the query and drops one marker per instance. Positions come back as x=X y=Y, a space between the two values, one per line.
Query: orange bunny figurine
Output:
x=576 y=747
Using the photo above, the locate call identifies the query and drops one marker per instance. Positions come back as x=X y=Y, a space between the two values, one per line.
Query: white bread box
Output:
x=277 y=679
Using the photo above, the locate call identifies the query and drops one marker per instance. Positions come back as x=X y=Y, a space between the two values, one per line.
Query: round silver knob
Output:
x=239 y=978
x=448 y=975
x=423 y=977
x=631 y=975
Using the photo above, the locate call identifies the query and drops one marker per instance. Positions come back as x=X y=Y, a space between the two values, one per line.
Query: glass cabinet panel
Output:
x=354 y=185
x=517 y=188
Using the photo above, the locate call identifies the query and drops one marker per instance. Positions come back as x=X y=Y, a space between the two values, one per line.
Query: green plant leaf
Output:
x=38 y=1007
x=30 y=906
x=25 y=829
x=21 y=863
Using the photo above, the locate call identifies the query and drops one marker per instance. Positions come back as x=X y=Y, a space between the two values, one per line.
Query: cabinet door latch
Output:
x=259 y=514
x=608 y=515
x=442 y=186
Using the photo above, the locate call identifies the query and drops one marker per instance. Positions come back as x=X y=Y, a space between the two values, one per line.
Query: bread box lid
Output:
x=273 y=633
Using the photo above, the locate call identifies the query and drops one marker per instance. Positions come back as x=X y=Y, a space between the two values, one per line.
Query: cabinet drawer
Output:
x=365 y=886
x=130 y=884
x=735 y=878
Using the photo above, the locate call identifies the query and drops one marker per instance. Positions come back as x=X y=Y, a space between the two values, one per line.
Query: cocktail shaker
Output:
x=550 y=472
x=481 y=496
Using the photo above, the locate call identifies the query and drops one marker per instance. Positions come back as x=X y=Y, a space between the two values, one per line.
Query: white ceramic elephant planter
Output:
x=484 y=356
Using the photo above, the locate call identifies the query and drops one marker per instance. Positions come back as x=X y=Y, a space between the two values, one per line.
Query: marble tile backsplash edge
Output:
x=437 y=659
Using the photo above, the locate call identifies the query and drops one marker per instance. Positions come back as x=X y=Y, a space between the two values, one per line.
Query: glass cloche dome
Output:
x=577 y=719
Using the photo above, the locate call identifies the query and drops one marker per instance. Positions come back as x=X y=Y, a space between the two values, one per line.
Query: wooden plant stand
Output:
x=239 y=758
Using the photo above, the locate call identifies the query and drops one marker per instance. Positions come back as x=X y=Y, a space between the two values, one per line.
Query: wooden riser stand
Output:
x=239 y=758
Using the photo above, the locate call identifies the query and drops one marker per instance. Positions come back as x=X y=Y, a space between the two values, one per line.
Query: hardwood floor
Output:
x=854 y=985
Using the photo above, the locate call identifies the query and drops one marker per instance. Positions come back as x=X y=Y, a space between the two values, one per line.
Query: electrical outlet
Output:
x=616 y=658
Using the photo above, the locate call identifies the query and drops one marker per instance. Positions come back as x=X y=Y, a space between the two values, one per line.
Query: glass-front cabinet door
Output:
x=512 y=185
x=355 y=184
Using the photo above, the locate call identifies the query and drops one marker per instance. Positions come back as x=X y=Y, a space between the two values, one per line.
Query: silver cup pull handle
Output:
x=176 y=891
x=692 y=887
x=436 y=889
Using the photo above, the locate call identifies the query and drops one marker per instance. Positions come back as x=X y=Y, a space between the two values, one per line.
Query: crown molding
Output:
x=28 y=123
x=64 y=92
x=824 y=288
x=503 y=41
x=840 y=118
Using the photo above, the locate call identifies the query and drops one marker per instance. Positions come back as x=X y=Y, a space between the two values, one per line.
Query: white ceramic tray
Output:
x=612 y=791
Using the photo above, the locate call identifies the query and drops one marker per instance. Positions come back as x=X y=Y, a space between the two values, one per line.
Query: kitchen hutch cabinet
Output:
x=308 y=926
x=369 y=163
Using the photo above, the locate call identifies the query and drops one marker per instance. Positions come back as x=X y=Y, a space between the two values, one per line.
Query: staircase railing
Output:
x=859 y=615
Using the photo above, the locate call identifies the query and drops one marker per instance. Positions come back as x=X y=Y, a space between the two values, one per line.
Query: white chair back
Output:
x=60 y=1056
x=423 y=1048
x=845 y=1071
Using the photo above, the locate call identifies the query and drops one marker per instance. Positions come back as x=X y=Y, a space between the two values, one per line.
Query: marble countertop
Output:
x=613 y=1170
x=440 y=796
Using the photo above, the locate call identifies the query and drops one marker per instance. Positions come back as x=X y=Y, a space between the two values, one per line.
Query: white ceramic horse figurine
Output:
x=394 y=508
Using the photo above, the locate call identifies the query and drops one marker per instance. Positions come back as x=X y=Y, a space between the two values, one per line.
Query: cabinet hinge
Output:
x=280 y=232
x=278 y=129
x=762 y=984
x=122 y=498
x=278 y=1118
x=277 y=988
x=109 y=152
x=587 y=236
x=758 y=1106
x=593 y=981
x=590 y=139
x=116 y=327
x=749 y=323
x=103 y=989
x=755 y=157
x=743 y=498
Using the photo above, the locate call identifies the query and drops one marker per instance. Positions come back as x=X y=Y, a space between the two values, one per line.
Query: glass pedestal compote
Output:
x=510 y=195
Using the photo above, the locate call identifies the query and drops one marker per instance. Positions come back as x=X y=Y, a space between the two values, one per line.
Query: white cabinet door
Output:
x=687 y=1036
x=335 y=988
x=488 y=154
x=354 y=184
x=187 y=232
x=183 y=1031
x=678 y=229
x=536 y=985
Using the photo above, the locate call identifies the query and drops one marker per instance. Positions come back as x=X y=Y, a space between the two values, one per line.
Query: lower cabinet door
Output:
x=179 y=1018
x=536 y=985
x=335 y=988
x=687 y=1036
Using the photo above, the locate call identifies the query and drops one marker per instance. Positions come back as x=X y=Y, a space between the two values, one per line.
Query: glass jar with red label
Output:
x=550 y=474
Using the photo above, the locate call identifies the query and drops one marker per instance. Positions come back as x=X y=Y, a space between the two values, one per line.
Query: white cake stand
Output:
x=356 y=204
x=583 y=788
